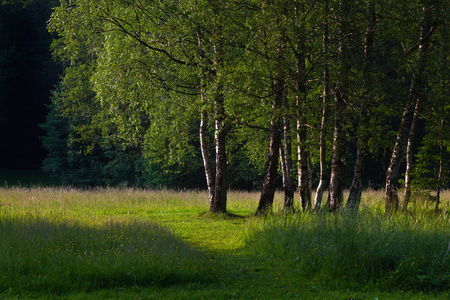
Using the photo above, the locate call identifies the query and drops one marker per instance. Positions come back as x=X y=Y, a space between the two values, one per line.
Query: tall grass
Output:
x=406 y=251
x=57 y=241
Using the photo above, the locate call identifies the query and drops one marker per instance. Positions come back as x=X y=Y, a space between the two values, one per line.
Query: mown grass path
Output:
x=239 y=273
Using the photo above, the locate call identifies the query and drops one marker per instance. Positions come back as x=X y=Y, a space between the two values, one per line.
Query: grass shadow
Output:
x=58 y=257
x=224 y=216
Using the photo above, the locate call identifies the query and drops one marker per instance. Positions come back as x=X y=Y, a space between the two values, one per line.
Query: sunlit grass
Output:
x=128 y=243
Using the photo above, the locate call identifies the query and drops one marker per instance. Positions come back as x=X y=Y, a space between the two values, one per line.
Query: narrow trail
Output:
x=222 y=240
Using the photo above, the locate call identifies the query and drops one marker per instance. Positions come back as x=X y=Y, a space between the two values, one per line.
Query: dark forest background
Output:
x=27 y=75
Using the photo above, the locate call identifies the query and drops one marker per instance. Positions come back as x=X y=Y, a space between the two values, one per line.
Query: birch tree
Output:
x=428 y=25
x=356 y=187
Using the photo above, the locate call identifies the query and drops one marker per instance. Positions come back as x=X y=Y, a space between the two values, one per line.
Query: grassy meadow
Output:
x=138 y=244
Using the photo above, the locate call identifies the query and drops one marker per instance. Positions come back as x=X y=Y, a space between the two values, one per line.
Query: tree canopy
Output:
x=218 y=93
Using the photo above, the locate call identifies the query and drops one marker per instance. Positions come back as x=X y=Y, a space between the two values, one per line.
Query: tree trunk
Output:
x=205 y=156
x=310 y=175
x=441 y=162
x=339 y=91
x=203 y=127
x=286 y=158
x=354 y=198
x=219 y=204
x=269 y=186
x=302 y=147
x=322 y=144
x=391 y=196
x=303 y=170
x=337 y=161
x=409 y=157
x=441 y=151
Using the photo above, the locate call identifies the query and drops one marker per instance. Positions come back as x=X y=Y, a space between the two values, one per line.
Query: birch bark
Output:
x=354 y=198
x=391 y=195
x=269 y=186
x=326 y=90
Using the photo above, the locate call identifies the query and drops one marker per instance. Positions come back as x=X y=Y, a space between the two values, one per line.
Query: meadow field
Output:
x=140 y=244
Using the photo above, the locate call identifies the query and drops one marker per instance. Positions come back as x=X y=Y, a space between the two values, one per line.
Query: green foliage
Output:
x=173 y=162
x=140 y=73
x=423 y=273
x=247 y=159
x=434 y=150
x=76 y=137
x=426 y=168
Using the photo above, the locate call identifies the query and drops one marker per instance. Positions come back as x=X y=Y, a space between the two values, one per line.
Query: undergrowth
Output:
x=402 y=252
